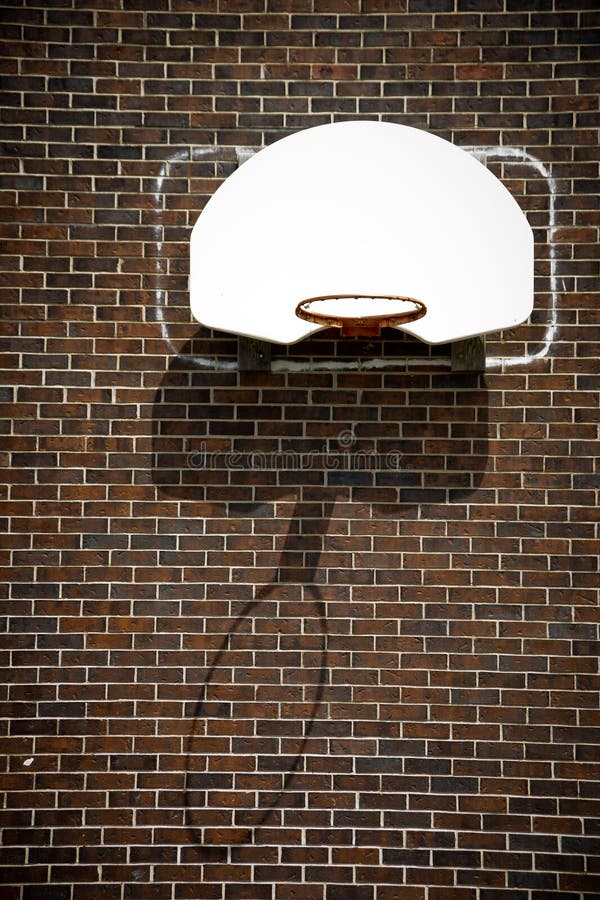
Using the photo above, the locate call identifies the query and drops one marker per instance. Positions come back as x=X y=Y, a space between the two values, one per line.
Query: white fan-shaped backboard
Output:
x=369 y=208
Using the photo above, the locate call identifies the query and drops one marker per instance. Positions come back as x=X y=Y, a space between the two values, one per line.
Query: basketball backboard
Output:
x=362 y=209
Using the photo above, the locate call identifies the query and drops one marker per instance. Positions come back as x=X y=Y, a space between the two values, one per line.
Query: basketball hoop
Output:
x=361 y=315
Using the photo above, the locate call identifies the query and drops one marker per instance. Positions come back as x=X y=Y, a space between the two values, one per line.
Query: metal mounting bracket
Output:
x=468 y=355
x=253 y=355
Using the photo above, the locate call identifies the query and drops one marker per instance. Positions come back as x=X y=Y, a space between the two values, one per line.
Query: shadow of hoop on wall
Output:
x=269 y=457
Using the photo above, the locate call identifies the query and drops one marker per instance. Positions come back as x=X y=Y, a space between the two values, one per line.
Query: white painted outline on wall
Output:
x=482 y=153
x=516 y=154
x=193 y=154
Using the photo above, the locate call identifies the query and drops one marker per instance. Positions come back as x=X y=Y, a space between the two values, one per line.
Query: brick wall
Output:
x=327 y=632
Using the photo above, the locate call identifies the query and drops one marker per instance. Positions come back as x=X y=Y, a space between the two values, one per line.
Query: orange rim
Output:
x=360 y=325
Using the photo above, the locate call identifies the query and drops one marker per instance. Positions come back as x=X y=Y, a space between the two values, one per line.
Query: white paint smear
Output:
x=483 y=154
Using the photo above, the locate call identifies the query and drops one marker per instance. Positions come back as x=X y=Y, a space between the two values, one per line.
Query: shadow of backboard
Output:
x=266 y=459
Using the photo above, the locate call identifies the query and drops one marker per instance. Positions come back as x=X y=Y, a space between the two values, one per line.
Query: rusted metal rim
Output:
x=360 y=325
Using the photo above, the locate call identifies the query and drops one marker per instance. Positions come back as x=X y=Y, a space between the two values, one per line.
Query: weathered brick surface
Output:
x=328 y=632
